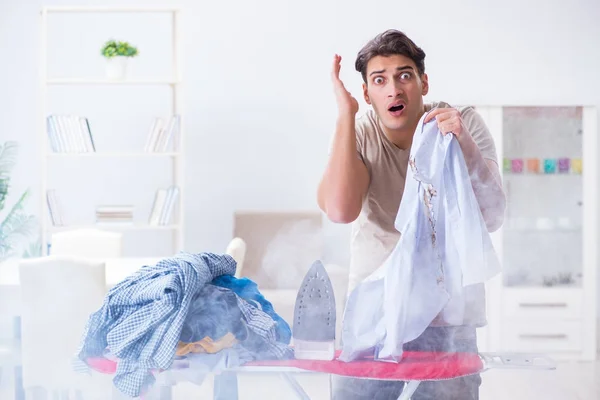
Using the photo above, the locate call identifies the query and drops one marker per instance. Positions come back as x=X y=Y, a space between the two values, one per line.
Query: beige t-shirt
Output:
x=373 y=233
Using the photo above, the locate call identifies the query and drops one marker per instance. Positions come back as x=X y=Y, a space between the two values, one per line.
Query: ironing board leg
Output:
x=409 y=389
x=295 y=386
x=226 y=386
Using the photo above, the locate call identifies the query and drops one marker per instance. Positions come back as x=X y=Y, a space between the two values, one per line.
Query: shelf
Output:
x=104 y=81
x=112 y=155
x=108 y=9
x=116 y=226
x=578 y=174
x=541 y=230
x=526 y=289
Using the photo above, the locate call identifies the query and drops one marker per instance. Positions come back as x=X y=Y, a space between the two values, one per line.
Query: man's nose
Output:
x=395 y=90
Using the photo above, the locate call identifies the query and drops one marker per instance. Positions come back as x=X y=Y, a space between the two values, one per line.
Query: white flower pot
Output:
x=116 y=67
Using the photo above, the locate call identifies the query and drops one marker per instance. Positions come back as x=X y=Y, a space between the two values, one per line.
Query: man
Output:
x=364 y=180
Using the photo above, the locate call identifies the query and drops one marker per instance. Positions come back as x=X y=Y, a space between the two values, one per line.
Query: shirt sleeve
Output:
x=480 y=133
x=360 y=141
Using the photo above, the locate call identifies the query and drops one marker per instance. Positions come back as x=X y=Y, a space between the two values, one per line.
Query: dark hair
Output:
x=389 y=43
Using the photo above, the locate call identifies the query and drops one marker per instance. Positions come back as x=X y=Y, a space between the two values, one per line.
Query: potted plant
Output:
x=17 y=228
x=117 y=55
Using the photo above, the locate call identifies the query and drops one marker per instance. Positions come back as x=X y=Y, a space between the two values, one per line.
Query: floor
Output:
x=570 y=381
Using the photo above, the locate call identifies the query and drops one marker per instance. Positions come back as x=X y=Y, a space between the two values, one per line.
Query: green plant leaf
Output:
x=15 y=213
x=14 y=229
x=8 y=157
x=17 y=224
x=4 y=186
x=33 y=250
x=114 y=48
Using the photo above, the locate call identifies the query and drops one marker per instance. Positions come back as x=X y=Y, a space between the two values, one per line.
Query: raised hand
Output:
x=346 y=103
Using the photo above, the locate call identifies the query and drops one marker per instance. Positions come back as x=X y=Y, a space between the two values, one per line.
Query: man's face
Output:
x=395 y=91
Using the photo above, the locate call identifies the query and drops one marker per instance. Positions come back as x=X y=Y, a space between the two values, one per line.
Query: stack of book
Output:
x=114 y=214
x=162 y=209
x=54 y=208
x=163 y=135
x=70 y=134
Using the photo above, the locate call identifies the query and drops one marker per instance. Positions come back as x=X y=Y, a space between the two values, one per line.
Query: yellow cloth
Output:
x=206 y=345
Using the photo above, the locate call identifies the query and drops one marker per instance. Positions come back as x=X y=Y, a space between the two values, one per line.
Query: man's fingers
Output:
x=335 y=70
x=335 y=73
x=432 y=114
x=441 y=114
x=338 y=85
x=446 y=116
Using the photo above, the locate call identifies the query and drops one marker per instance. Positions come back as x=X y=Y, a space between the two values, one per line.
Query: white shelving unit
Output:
x=545 y=300
x=174 y=83
x=114 y=155
x=117 y=227
x=76 y=81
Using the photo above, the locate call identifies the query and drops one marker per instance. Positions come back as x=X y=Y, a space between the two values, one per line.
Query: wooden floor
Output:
x=570 y=381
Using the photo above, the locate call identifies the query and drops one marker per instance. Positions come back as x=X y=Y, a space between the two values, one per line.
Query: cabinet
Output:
x=109 y=171
x=545 y=298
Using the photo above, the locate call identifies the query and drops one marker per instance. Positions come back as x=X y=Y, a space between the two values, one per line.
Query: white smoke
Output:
x=290 y=253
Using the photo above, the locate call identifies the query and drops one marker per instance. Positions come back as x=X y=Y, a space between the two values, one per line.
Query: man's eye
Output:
x=378 y=80
x=405 y=76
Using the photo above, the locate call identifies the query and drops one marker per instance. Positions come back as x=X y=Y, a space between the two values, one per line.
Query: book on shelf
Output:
x=54 y=210
x=162 y=208
x=163 y=135
x=70 y=134
x=114 y=214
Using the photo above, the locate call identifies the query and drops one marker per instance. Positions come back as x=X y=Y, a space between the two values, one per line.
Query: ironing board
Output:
x=414 y=368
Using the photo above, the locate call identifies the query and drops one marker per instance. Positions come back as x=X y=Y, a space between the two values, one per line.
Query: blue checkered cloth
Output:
x=141 y=319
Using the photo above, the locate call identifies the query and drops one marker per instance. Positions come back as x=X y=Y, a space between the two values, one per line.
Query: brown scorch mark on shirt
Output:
x=428 y=195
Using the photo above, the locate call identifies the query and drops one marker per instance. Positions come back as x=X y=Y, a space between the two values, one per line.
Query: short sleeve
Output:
x=480 y=133
x=360 y=139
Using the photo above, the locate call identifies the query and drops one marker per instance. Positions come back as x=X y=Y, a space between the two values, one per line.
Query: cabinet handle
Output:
x=543 y=336
x=543 y=305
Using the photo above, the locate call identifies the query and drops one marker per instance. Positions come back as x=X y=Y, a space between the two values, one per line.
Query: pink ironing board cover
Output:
x=420 y=366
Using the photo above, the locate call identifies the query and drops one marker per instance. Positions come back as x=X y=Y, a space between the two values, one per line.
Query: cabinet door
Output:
x=542 y=163
x=548 y=242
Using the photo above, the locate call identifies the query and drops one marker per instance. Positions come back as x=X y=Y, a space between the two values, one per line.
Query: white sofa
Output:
x=276 y=250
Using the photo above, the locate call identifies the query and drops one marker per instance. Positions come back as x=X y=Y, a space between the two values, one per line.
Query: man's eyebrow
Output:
x=381 y=71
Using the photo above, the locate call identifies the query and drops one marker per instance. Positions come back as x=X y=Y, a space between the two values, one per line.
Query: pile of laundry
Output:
x=189 y=306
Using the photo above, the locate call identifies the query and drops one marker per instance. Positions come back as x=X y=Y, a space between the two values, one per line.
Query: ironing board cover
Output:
x=415 y=365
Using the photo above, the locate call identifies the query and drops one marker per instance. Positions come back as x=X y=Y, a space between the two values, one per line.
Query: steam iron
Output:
x=314 y=316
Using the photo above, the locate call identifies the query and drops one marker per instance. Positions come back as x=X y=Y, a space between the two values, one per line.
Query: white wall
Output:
x=259 y=106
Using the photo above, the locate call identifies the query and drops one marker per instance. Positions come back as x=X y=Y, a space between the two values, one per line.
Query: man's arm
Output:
x=484 y=173
x=346 y=179
x=486 y=182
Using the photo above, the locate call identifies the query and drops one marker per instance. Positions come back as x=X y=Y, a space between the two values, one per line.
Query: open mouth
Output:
x=396 y=110
x=399 y=107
